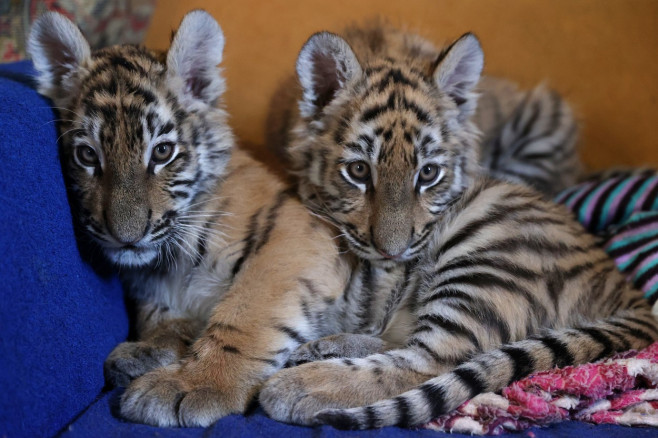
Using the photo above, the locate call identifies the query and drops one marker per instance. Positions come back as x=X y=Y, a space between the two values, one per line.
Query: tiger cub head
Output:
x=383 y=145
x=142 y=142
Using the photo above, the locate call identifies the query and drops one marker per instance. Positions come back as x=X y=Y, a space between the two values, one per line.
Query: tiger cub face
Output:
x=141 y=139
x=384 y=146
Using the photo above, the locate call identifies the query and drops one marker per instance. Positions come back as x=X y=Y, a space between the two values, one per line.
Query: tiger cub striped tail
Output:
x=491 y=371
x=528 y=138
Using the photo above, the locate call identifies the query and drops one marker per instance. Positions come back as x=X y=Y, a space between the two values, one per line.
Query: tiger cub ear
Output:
x=57 y=49
x=325 y=64
x=192 y=60
x=458 y=71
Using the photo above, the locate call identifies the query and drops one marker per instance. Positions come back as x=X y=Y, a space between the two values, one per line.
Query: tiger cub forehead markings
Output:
x=364 y=144
x=122 y=71
x=428 y=144
x=390 y=105
x=382 y=127
x=118 y=88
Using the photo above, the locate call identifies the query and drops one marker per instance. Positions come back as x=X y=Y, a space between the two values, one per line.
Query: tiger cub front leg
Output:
x=244 y=343
x=162 y=340
x=249 y=336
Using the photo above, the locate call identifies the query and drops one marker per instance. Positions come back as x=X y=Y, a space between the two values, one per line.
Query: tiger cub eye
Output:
x=87 y=156
x=428 y=173
x=359 y=170
x=162 y=152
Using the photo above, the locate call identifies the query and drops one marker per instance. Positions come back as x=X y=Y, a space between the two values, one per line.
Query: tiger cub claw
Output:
x=130 y=360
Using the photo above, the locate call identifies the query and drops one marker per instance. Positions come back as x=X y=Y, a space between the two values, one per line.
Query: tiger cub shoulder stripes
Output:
x=228 y=269
x=465 y=283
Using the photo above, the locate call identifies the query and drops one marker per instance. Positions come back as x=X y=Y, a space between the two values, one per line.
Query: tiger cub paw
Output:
x=337 y=346
x=130 y=360
x=167 y=397
x=295 y=395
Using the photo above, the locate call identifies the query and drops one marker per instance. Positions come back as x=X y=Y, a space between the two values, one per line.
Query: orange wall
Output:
x=600 y=54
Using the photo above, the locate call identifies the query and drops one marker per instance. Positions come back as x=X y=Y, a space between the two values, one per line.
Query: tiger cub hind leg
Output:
x=296 y=395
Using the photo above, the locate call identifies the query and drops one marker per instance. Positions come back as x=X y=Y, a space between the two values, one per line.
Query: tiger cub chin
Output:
x=229 y=270
x=464 y=283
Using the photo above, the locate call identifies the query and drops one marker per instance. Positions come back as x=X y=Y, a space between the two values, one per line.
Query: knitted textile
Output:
x=620 y=390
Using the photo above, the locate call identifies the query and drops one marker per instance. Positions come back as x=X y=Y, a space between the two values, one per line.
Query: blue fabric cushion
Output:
x=58 y=318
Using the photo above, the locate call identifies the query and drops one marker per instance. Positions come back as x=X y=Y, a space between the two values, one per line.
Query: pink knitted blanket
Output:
x=619 y=390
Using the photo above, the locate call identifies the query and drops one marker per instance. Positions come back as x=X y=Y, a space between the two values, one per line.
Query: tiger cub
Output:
x=526 y=137
x=464 y=283
x=229 y=270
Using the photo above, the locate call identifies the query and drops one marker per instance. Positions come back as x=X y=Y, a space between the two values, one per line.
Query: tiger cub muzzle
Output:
x=127 y=214
x=392 y=229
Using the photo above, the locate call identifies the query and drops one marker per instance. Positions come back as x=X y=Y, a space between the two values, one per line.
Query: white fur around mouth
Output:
x=131 y=257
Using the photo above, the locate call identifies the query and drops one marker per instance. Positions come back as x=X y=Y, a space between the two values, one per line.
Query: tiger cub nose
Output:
x=128 y=229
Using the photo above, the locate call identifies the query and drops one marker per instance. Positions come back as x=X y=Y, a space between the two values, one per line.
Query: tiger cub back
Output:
x=476 y=282
x=527 y=137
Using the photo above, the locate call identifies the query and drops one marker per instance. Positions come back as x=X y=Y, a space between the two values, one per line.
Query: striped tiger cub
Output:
x=463 y=283
x=229 y=270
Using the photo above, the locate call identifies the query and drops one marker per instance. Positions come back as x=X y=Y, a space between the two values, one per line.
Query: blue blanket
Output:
x=59 y=317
